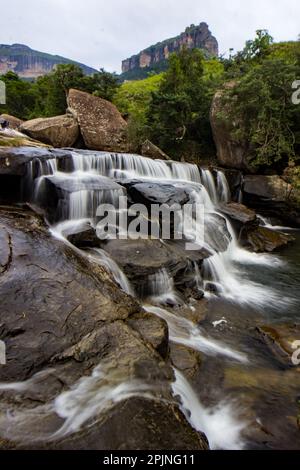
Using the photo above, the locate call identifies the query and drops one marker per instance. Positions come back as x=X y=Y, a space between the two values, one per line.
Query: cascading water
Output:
x=219 y=424
x=222 y=268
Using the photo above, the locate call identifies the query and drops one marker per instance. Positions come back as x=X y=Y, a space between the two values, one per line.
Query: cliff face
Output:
x=198 y=37
x=28 y=63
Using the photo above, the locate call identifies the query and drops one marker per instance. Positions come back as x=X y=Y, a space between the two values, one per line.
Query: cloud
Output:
x=101 y=33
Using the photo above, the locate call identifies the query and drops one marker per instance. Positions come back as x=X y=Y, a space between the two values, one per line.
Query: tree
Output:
x=261 y=104
x=20 y=96
x=179 y=111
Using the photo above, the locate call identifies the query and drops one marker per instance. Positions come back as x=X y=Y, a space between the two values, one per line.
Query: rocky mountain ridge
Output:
x=29 y=63
x=198 y=36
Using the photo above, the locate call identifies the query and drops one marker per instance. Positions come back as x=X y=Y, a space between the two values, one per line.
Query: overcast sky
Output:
x=101 y=33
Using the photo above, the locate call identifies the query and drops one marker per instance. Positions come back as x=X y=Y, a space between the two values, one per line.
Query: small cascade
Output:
x=220 y=423
x=208 y=182
x=160 y=289
x=223 y=190
x=98 y=256
x=183 y=331
x=84 y=204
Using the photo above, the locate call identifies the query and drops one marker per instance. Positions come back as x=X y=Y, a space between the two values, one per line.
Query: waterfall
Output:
x=220 y=424
x=183 y=331
x=222 y=268
x=99 y=256
x=223 y=188
x=209 y=183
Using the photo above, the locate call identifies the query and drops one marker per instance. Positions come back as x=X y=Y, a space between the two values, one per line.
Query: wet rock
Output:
x=185 y=359
x=58 y=131
x=55 y=195
x=101 y=125
x=142 y=260
x=63 y=321
x=50 y=295
x=239 y=213
x=262 y=239
x=153 y=329
x=142 y=424
x=87 y=237
x=156 y=193
x=271 y=196
x=280 y=338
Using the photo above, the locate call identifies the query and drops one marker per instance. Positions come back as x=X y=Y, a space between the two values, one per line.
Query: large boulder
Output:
x=14 y=122
x=101 y=125
x=59 y=131
x=263 y=239
x=230 y=152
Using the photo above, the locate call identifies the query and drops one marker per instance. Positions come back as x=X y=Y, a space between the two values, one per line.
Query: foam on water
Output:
x=183 y=331
x=220 y=424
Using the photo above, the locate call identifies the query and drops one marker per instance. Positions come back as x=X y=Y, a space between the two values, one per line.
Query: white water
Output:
x=91 y=396
x=220 y=424
x=160 y=289
x=224 y=268
x=223 y=188
x=183 y=331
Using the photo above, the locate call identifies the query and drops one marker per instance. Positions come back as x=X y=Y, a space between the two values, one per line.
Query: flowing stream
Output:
x=227 y=268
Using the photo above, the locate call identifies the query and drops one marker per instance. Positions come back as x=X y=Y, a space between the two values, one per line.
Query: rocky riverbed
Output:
x=122 y=344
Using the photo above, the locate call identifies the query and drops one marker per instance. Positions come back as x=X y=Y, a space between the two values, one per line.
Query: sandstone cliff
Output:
x=28 y=63
x=194 y=37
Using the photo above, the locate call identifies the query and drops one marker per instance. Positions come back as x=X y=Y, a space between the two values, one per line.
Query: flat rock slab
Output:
x=239 y=212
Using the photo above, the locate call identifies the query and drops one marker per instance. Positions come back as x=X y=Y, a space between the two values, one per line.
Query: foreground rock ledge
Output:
x=61 y=318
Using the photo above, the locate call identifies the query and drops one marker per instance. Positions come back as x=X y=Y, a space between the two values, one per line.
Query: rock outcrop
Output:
x=198 y=37
x=58 y=131
x=271 y=196
x=71 y=334
x=230 y=152
x=102 y=126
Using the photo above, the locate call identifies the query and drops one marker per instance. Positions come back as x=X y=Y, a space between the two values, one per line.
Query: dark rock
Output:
x=279 y=339
x=230 y=152
x=239 y=213
x=153 y=330
x=142 y=260
x=270 y=196
x=85 y=238
x=185 y=359
x=141 y=424
x=62 y=319
x=262 y=239
x=156 y=193
x=49 y=293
